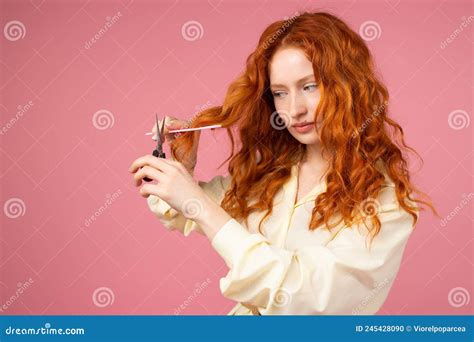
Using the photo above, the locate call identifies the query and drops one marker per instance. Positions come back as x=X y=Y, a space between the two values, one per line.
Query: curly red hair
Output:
x=355 y=126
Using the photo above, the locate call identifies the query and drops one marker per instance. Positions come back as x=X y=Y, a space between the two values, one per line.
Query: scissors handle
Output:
x=158 y=151
x=157 y=154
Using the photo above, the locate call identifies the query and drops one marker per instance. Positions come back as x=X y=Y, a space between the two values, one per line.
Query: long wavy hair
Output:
x=354 y=126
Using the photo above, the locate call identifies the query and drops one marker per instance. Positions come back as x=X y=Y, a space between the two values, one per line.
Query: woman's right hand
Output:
x=189 y=160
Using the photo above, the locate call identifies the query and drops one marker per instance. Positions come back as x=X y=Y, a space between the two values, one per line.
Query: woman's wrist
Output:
x=212 y=217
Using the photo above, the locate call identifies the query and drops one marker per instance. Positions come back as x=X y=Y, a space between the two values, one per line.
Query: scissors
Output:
x=158 y=151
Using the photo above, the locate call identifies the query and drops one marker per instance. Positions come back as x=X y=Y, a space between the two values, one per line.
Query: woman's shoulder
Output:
x=388 y=193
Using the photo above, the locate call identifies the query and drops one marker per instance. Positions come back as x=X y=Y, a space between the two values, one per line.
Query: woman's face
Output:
x=295 y=93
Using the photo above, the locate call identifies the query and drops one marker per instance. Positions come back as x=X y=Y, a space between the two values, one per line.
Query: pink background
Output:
x=59 y=169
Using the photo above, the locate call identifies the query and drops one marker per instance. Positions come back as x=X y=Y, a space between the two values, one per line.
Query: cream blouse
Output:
x=291 y=270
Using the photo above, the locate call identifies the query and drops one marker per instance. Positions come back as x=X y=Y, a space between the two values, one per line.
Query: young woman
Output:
x=318 y=205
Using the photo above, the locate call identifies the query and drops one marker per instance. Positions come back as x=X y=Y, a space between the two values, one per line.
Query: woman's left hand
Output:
x=174 y=184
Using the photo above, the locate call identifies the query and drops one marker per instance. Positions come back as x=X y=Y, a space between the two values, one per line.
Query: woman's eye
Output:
x=309 y=87
x=278 y=94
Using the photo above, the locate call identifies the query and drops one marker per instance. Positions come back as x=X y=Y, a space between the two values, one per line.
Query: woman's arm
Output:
x=343 y=277
x=212 y=219
x=209 y=215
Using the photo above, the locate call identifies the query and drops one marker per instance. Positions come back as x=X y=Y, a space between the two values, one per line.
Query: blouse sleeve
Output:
x=173 y=219
x=342 y=277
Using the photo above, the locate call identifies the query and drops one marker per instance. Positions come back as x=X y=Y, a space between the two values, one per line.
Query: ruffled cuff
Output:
x=161 y=208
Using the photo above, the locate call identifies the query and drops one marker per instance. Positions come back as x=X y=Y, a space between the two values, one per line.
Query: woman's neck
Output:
x=313 y=157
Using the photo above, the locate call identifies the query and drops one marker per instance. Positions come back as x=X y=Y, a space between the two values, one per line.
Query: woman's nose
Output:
x=297 y=106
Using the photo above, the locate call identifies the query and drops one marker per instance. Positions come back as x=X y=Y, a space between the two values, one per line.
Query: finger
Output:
x=149 y=172
x=147 y=160
x=170 y=124
x=161 y=164
x=176 y=124
x=167 y=120
x=150 y=189
x=170 y=136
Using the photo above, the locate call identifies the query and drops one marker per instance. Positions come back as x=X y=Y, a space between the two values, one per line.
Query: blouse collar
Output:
x=291 y=188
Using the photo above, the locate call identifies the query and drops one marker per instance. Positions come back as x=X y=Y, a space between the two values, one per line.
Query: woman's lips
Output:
x=304 y=129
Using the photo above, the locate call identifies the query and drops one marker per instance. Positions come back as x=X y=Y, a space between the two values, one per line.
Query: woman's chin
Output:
x=307 y=139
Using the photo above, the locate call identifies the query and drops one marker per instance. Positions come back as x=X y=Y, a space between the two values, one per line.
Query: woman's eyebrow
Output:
x=306 y=78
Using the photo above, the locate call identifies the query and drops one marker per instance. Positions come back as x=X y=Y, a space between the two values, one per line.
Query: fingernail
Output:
x=155 y=137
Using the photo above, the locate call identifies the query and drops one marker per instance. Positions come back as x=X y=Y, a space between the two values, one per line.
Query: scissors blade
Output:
x=158 y=137
x=159 y=133
x=162 y=127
